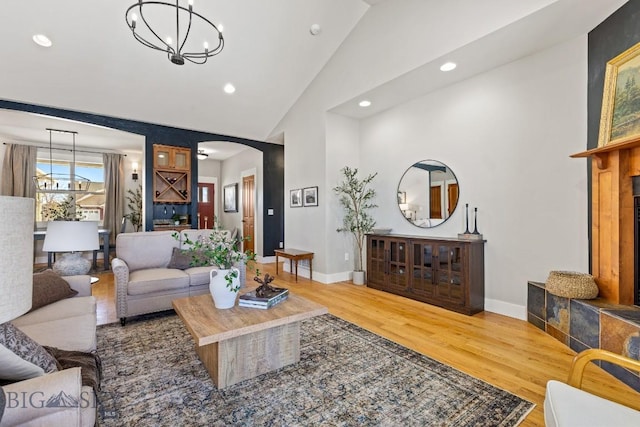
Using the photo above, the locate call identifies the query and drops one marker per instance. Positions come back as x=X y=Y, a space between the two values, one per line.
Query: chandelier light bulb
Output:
x=169 y=40
x=190 y=2
x=221 y=28
x=134 y=17
x=206 y=45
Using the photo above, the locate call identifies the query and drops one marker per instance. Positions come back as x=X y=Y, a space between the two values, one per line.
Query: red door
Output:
x=206 y=213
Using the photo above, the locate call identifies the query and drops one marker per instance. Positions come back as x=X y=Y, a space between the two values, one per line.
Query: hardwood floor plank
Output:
x=506 y=352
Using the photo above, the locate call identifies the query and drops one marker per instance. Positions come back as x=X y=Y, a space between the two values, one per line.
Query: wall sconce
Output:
x=134 y=175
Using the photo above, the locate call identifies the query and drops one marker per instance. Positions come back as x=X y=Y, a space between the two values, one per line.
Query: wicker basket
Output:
x=570 y=284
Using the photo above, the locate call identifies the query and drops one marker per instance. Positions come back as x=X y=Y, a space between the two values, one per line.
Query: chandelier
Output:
x=61 y=182
x=161 y=15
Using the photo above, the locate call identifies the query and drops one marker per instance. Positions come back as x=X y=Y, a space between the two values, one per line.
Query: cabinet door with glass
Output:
x=376 y=262
x=449 y=274
x=174 y=158
x=397 y=275
x=422 y=269
x=387 y=264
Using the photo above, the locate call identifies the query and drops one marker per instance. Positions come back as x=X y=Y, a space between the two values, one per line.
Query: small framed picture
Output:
x=295 y=198
x=402 y=197
x=310 y=196
x=231 y=198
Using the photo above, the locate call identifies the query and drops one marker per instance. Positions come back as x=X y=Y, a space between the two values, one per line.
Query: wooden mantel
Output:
x=612 y=245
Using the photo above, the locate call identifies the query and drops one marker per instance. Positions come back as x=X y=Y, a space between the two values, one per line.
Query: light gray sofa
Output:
x=69 y=324
x=143 y=281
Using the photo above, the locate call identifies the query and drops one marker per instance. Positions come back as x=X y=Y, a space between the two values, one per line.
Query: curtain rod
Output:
x=68 y=149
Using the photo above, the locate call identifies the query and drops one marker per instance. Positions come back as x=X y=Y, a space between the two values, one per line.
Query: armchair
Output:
x=569 y=405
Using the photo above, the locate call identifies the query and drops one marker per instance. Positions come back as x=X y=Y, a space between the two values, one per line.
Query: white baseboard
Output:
x=303 y=271
x=265 y=259
x=505 y=308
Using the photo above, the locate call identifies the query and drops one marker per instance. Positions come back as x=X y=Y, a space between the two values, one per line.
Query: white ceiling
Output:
x=270 y=56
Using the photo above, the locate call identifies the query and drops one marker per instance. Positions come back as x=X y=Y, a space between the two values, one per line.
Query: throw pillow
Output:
x=49 y=287
x=180 y=259
x=3 y=402
x=21 y=357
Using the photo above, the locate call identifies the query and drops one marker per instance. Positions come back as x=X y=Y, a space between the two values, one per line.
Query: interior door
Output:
x=435 y=210
x=206 y=210
x=248 y=206
x=452 y=198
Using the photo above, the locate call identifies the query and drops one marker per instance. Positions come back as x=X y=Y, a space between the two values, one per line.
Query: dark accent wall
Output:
x=272 y=154
x=613 y=36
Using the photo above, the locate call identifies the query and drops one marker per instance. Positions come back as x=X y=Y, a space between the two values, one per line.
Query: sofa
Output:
x=68 y=324
x=150 y=271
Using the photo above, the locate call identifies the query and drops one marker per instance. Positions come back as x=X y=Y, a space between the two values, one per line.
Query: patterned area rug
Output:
x=346 y=376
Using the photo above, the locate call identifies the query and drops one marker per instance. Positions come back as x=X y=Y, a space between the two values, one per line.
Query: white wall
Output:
x=247 y=162
x=507 y=135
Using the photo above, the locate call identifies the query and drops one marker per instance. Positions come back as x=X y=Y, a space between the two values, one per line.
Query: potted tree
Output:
x=356 y=199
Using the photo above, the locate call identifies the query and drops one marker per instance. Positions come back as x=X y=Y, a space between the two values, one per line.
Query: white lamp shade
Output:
x=16 y=262
x=71 y=236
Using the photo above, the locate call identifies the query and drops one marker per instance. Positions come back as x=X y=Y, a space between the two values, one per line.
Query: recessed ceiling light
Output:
x=229 y=88
x=448 y=66
x=365 y=103
x=42 y=40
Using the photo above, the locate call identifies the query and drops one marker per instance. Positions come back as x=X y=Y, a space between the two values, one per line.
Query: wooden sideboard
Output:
x=445 y=272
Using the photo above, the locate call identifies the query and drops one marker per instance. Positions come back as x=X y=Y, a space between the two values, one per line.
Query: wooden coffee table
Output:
x=240 y=343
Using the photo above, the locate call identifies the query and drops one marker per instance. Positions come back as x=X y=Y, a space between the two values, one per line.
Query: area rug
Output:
x=347 y=376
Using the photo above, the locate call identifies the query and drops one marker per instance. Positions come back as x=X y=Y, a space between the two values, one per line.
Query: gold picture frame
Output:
x=620 y=117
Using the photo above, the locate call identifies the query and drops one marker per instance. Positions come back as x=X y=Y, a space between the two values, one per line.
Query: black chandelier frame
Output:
x=176 y=56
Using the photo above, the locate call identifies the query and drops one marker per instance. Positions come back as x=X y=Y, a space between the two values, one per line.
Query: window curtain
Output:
x=114 y=194
x=18 y=170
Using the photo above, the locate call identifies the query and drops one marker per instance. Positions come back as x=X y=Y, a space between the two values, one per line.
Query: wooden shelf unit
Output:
x=445 y=272
x=171 y=174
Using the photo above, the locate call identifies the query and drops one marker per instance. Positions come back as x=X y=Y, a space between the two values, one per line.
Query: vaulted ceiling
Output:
x=270 y=56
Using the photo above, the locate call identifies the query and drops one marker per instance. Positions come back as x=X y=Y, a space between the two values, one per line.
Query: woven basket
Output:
x=570 y=284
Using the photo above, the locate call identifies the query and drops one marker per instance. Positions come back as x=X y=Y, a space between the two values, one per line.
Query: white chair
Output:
x=567 y=405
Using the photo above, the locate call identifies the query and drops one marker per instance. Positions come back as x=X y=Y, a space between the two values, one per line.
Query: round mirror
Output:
x=428 y=193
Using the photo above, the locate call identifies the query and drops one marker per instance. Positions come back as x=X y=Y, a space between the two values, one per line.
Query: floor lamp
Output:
x=72 y=237
x=16 y=262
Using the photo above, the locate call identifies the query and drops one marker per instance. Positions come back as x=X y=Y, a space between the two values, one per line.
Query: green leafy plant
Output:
x=220 y=250
x=356 y=199
x=134 y=204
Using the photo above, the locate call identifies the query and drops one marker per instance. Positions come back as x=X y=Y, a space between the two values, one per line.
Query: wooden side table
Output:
x=295 y=255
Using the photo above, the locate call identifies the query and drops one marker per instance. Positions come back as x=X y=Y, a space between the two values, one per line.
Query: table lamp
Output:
x=71 y=237
x=16 y=262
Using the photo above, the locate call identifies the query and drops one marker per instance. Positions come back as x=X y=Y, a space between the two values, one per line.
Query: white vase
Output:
x=223 y=297
x=358 y=277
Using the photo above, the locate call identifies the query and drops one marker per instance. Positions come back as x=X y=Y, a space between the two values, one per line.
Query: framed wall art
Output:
x=295 y=198
x=310 y=196
x=620 y=118
x=231 y=197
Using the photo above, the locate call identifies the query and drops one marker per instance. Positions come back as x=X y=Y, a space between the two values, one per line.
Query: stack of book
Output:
x=267 y=300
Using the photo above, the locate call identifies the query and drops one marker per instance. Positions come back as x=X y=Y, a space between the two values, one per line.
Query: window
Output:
x=60 y=171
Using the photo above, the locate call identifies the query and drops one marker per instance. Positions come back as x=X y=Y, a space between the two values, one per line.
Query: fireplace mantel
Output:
x=613 y=217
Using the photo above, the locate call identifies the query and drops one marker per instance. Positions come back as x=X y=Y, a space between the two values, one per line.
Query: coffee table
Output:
x=240 y=343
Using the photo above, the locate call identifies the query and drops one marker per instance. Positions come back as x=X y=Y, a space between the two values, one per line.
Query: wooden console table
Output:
x=295 y=255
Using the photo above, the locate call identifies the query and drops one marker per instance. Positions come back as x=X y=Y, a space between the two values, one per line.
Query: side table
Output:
x=295 y=255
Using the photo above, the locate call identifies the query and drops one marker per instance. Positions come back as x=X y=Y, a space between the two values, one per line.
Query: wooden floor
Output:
x=508 y=353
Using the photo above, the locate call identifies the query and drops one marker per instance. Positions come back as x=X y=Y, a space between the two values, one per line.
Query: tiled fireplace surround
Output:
x=583 y=324
x=611 y=321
